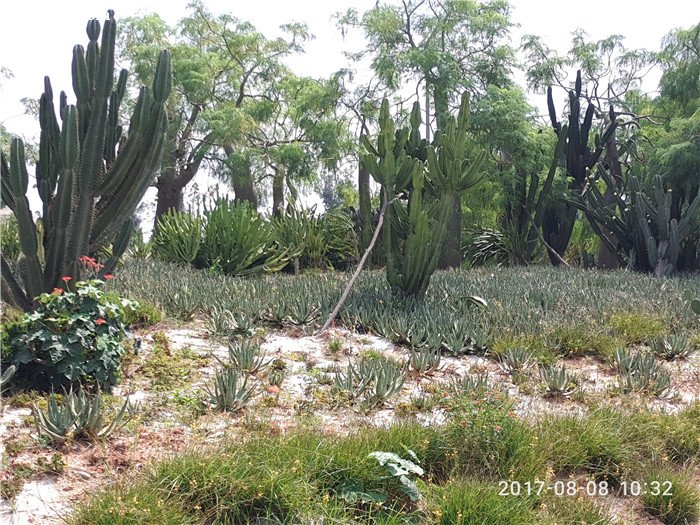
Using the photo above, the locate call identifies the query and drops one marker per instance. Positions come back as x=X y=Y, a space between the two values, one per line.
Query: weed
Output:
x=671 y=497
x=636 y=327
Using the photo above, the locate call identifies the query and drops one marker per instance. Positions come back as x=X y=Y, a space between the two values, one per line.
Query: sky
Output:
x=36 y=37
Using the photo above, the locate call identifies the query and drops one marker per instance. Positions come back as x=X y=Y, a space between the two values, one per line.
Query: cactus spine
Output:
x=90 y=174
x=420 y=182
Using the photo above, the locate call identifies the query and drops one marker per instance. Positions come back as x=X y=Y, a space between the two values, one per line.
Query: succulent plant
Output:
x=245 y=356
x=424 y=359
x=6 y=377
x=420 y=203
x=469 y=384
x=558 y=381
x=672 y=347
x=229 y=391
x=515 y=359
x=79 y=414
x=91 y=173
x=640 y=372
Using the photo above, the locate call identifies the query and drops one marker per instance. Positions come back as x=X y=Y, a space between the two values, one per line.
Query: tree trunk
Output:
x=365 y=211
x=278 y=193
x=241 y=177
x=169 y=198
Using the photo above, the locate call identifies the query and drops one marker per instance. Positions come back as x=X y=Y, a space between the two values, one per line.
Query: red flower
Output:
x=87 y=260
x=100 y=321
x=57 y=291
x=109 y=276
x=66 y=278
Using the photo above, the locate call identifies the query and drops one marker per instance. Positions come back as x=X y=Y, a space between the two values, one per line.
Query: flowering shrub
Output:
x=73 y=336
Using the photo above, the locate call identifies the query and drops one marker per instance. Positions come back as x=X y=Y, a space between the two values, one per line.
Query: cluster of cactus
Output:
x=640 y=372
x=640 y=229
x=580 y=154
x=558 y=381
x=419 y=184
x=79 y=414
x=91 y=174
x=229 y=391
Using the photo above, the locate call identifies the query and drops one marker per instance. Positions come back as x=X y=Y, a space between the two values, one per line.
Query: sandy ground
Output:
x=47 y=496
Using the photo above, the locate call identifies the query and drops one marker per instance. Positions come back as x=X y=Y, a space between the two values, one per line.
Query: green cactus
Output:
x=643 y=230
x=579 y=156
x=420 y=199
x=91 y=174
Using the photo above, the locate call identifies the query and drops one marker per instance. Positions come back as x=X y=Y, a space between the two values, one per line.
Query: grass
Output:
x=304 y=476
x=580 y=312
x=671 y=497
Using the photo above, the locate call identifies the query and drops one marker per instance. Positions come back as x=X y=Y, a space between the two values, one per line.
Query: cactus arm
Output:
x=121 y=243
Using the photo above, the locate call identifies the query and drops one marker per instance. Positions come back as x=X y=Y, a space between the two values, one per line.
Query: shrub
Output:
x=143 y=313
x=71 y=337
x=636 y=327
x=239 y=241
x=9 y=239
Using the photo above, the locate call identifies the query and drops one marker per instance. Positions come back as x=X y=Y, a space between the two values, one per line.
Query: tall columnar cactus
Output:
x=420 y=199
x=579 y=156
x=90 y=174
x=640 y=228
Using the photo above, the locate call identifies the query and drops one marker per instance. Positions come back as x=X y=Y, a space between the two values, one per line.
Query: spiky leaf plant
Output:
x=229 y=391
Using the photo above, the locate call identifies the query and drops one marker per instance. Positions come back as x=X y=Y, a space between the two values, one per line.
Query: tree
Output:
x=444 y=48
x=232 y=108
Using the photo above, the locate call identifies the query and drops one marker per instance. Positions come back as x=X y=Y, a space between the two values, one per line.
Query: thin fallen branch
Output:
x=356 y=274
x=546 y=244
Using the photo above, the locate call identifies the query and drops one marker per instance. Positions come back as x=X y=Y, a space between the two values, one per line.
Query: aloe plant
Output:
x=229 y=391
x=424 y=360
x=245 y=356
x=639 y=372
x=178 y=237
x=79 y=414
x=91 y=172
x=558 y=381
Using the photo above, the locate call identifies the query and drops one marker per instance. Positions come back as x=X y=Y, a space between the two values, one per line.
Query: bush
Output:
x=143 y=313
x=9 y=239
x=73 y=336
x=239 y=241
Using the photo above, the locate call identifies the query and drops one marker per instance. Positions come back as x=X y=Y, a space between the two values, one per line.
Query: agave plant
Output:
x=79 y=414
x=640 y=372
x=558 y=381
x=229 y=391
x=389 y=378
x=178 y=237
x=90 y=415
x=425 y=360
x=468 y=385
x=245 y=356
x=673 y=347
x=6 y=377
x=515 y=359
